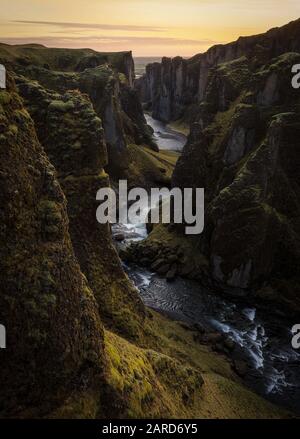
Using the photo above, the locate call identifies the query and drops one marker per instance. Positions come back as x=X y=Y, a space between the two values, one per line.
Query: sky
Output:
x=147 y=27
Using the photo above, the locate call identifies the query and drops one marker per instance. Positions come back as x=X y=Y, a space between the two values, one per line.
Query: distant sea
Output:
x=141 y=62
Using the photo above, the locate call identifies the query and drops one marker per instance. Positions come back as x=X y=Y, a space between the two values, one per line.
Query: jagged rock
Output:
x=172 y=258
x=243 y=150
x=229 y=344
x=186 y=269
x=106 y=78
x=54 y=335
x=163 y=269
x=170 y=88
x=157 y=263
x=199 y=328
x=59 y=367
x=81 y=174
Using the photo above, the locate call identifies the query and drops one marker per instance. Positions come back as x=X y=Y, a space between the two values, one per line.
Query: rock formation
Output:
x=243 y=149
x=246 y=146
x=174 y=87
x=104 y=77
x=54 y=336
x=79 y=341
x=72 y=135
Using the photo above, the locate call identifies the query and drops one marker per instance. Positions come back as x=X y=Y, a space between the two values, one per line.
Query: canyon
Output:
x=87 y=341
x=242 y=148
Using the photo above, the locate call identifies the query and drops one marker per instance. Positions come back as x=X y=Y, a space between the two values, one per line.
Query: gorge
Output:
x=97 y=336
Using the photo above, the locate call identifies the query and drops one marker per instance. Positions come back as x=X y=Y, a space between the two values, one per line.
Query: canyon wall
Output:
x=79 y=341
x=243 y=149
x=175 y=87
x=55 y=339
x=71 y=132
x=106 y=78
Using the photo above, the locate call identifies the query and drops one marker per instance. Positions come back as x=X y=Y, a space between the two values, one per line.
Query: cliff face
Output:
x=65 y=60
x=105 y=77
x=174 y=87
x=54 y=335
x=60 y=361
x=244 y=151
x=73 y=137
x=169 y=87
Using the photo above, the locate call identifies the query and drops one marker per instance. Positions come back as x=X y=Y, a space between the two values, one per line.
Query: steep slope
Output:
x=174 y=88
x=59 y=362
x=72 y=135
x=247 y=149
x=54 y=335
x=106 y=78
x=243 y=149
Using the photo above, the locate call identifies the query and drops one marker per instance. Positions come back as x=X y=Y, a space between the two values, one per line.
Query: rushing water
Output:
x=262 y=338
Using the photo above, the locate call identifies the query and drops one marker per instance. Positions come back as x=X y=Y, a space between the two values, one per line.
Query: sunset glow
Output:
x=147 y=27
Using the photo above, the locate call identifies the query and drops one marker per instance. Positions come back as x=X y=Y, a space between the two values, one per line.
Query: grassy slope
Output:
x=55 y=58
x=149 y=168
x=164 y=379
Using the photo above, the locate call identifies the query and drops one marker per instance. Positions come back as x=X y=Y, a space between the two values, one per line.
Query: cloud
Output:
x=107 y=40
x=85 y=26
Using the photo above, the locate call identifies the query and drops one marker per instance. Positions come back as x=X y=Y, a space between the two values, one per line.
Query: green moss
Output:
x=122 y=78
x=13 y=129
x=5 y=97
x=181 y=126
x=146 y=166
x=61 y=106
x=236 y=71
x=221 y=125
x=177 y=377
x=286 y=60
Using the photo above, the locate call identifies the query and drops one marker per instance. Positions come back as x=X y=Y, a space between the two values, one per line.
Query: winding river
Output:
x=261 y=338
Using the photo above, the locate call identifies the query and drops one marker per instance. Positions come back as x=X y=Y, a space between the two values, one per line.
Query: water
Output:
x=262 y=339
x=141 y=62
x=166 y=137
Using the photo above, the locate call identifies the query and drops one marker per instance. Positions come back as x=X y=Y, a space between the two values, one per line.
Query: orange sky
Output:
x=147 y=27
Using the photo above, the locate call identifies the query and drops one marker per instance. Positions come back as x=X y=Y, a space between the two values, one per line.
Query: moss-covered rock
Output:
x=54 y=334
x=175 y=88
x=106 y=77
x=72 y=135
x=246 y=156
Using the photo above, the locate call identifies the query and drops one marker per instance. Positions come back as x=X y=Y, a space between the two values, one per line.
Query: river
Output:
x=262 y=338
x=166 y=137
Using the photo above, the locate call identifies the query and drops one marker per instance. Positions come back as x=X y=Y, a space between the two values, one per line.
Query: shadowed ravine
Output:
x=261 y=340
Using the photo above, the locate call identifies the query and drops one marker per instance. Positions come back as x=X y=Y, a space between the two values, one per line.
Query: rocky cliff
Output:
x=105 y=77
x=61 y=361
x=243 y=149
x=175 y=87
x=72 y=135
x=246 y=158
x=246 y=145
x=55 y=340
